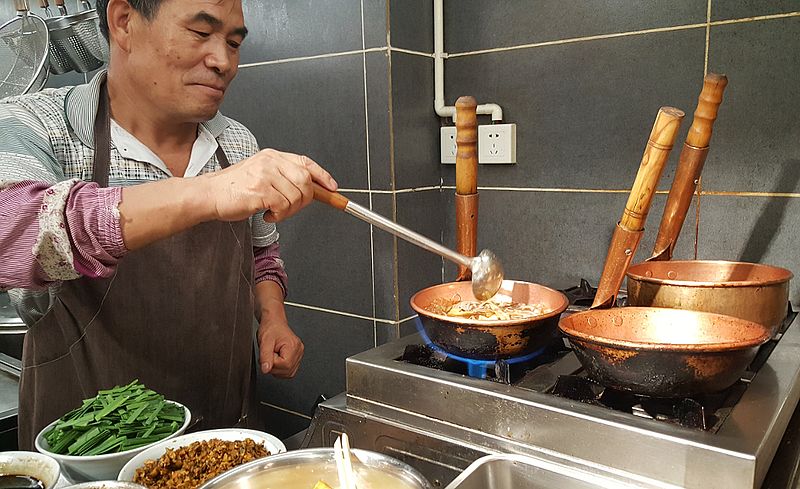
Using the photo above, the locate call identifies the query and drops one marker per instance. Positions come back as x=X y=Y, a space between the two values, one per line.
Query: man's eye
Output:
x=234 y=44
x=201 y=33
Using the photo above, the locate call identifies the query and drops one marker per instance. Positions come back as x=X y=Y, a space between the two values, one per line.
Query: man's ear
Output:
x=120 y=14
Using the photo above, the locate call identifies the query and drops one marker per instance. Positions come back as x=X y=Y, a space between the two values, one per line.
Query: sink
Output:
x=12 y=329
x=8 y=316
x=518 y=471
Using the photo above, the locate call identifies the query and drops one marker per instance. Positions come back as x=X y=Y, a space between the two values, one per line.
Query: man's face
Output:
x=187 y=55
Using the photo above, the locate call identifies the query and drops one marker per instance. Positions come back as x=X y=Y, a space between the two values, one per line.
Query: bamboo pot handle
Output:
x=466 y=146
x=333 y=199
x=659 y=144
x=707 y=108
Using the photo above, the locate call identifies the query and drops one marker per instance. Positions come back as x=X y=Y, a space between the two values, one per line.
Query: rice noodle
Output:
x=491 y=310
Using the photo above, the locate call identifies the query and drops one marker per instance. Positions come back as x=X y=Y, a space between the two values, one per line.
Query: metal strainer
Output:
x=23 y=53
x=78 y=37
x=59 y=60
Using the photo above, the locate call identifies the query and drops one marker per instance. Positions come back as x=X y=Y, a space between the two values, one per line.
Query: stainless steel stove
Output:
x=407 y=400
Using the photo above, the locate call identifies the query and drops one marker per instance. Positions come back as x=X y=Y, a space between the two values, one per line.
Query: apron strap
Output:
x=102 y=142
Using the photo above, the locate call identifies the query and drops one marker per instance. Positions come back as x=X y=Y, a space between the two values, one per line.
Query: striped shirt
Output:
x=55 y=224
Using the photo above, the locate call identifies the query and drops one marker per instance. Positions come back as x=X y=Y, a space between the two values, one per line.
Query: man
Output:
x=122 y=268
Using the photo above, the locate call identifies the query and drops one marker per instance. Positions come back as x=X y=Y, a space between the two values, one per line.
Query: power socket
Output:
x=497 y=144
x=448 y=144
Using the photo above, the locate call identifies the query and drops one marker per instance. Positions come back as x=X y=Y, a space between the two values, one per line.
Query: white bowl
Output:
x=89 y=468
x=272 y=444
x=32 y=464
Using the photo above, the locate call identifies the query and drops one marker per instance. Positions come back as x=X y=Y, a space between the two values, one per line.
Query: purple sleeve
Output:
x=269 y=266
x=50 y=233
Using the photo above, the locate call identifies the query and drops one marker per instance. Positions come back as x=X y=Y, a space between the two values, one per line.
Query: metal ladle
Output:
x=487 y=271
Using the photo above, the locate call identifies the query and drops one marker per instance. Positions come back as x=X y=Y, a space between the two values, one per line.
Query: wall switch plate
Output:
x=448 y=144
x=497 y=144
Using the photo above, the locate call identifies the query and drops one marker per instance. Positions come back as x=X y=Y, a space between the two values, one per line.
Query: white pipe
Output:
x=441 y=109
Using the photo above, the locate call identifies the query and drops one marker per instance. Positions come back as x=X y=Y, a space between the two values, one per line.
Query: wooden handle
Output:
x=690 y=165
x=659 y=144
x=706 y=112
x=466 y=146
x=333 y=199
x=59 y=3
x=44 y=4
x=21 y=5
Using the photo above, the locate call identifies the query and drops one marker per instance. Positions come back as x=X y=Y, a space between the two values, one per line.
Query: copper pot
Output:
x=491 y=340
x=751 y=291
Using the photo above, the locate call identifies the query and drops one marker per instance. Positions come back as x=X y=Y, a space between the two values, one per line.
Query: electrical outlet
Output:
x=448 y=144
x=497 y=144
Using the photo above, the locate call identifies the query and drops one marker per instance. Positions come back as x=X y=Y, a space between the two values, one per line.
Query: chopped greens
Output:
x=118 y=419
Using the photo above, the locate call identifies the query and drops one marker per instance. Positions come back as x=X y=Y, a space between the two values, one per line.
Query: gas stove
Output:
x=440 y=413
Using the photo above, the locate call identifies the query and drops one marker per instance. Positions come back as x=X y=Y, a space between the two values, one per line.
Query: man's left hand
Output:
x=280 y=349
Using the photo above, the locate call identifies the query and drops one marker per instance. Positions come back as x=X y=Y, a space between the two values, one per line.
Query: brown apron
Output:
x=177 y=315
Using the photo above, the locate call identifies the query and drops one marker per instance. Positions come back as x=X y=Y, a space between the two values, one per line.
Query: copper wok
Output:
x=491 y=340
x=655 y=351
x=749 y=291
x=663 y=352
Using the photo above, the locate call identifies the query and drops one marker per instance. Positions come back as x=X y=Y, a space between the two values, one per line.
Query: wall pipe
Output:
x=443 y=110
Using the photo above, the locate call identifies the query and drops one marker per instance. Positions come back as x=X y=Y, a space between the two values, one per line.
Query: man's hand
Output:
x=278 y=182
x=280 y=350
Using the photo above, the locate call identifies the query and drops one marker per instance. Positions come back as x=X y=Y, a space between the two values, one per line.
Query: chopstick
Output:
x=344 y=465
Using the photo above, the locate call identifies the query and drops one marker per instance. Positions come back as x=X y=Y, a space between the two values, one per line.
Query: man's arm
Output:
x=51 y=228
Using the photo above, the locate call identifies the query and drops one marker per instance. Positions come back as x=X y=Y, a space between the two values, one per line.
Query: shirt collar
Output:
x=81 y=108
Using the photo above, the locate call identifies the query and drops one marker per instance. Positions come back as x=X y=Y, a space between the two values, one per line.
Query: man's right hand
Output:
x=271 y=180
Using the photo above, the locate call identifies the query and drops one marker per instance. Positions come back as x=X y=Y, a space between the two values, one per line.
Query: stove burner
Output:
x=581 y=295
x=506 y=370
x=704 y=412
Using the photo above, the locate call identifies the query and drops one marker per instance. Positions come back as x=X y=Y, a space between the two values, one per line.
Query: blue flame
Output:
x=475 y=368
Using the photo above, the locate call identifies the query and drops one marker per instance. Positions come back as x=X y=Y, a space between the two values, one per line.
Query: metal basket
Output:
x=76 y=41
x=23 y=53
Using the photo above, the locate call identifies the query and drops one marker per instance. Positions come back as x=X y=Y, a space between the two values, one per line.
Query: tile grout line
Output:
x=392 y=169
x=573 y=40
x=285 y=410
x=411 y=51
x=614 y=35
x=699 y=187
x=567 y=190
x=392 y=175
x=339 y=313
x=756 y=19
x=708 y=36
x=313 y=57
x=530 y=45
x=369 y=176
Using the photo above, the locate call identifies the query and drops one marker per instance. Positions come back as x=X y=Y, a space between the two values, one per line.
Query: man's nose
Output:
x=220 y=57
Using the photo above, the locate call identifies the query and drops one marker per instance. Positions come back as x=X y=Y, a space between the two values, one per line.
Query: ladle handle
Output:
x=21 y=5
x=659 y=144
x=690 y=165
x=333 y=199
x=630 y=228
x=341 y=202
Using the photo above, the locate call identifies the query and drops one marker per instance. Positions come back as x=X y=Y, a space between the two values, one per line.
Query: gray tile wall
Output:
x=583 y=82
x=351 y=85
x=322 y=79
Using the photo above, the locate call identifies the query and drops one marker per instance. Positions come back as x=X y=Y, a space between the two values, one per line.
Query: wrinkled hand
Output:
x=280 y=349
x=271 y=180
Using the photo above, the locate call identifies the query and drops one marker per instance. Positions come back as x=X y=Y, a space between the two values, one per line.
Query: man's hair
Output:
x=148 y=8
